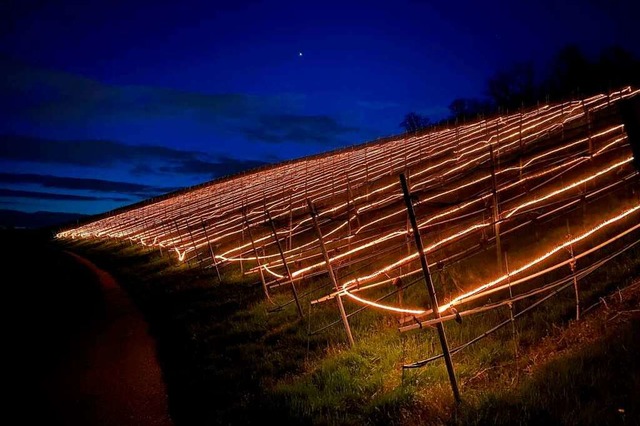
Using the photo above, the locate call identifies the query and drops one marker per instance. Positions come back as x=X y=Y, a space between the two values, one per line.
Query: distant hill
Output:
x=42 y=219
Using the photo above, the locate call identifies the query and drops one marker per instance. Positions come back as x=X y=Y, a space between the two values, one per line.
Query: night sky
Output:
x=105 y=103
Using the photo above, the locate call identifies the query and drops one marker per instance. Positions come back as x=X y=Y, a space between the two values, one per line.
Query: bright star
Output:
x=299 y=53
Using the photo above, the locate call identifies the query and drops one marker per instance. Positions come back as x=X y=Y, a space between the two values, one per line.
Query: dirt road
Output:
x=82 y=352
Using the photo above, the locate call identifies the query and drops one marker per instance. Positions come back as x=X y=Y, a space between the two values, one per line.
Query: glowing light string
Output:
x=498 y=280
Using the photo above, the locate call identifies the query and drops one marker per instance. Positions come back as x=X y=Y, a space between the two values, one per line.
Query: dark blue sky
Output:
x=104 y=103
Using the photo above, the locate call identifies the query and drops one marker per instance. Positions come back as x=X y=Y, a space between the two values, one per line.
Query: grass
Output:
x=592 y=378
x=227 y=360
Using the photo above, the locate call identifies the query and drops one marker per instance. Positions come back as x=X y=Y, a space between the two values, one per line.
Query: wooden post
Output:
x=306 y=176
x=332 y=275
x=511 y=309
x=348 y=216
x=430 y=288
x=405 y=152
x=391 y=161
x=366 y=171
x=143 y=233
x=241 y=263
x=193 y=243
x=175 y=222
x=255 y=253
x=575 y=283
x=159 y=245
x=290 y=220
x=408 y=227
x=573 y=273
x=286 y=266
x=163 y=231
x=586 y=112
x=521 y=148
x=350 y=198
x=496 y=212
x=333 y=176
x=211 y=252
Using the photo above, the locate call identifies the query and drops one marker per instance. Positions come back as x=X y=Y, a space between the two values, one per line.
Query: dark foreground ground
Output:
x=225 y=364
x=79 y=350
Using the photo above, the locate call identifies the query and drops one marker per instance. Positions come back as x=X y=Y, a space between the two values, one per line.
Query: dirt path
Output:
x=111 y=376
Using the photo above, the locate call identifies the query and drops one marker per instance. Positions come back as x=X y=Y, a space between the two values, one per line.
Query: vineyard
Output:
x=509 y=209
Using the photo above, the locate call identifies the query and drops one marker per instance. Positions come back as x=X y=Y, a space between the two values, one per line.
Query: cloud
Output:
x=108 y=186
x=37 y=97
x=10 y=193
x=39 y=93
x=144 y=159
x=278 y=128
x=83 y=152
x=378 y=105
x=223 y=167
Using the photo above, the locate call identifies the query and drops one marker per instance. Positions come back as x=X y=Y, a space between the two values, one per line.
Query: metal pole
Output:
x=211 y=252
x=430 y=288
x=343 y=315
x=284 y=262
x=496 y=211
x=255 y=252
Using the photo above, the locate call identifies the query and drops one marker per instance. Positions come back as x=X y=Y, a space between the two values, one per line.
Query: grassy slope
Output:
x=228 y=361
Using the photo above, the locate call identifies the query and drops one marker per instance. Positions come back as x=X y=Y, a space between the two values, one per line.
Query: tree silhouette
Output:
x=571 y=74
x=463 y=108
x=616 y=68
x=414 y=122
x=513 y=87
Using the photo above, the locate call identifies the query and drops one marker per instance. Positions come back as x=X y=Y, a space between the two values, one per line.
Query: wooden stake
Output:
x=175 y=222
x=511 y=309
x=521 y=148
x=211 y=252
x=430 y=288
x=586 y=112
x=255 y=253
x=350 y=199
x=290 y=220
x=241 y=263
x=496 y=212
x=573 y=273
x=160 y=245
x=405 y=152
x=408 y=228
x=348 y=216
x=286 y=266
x=193 y=243
x=327 y=261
